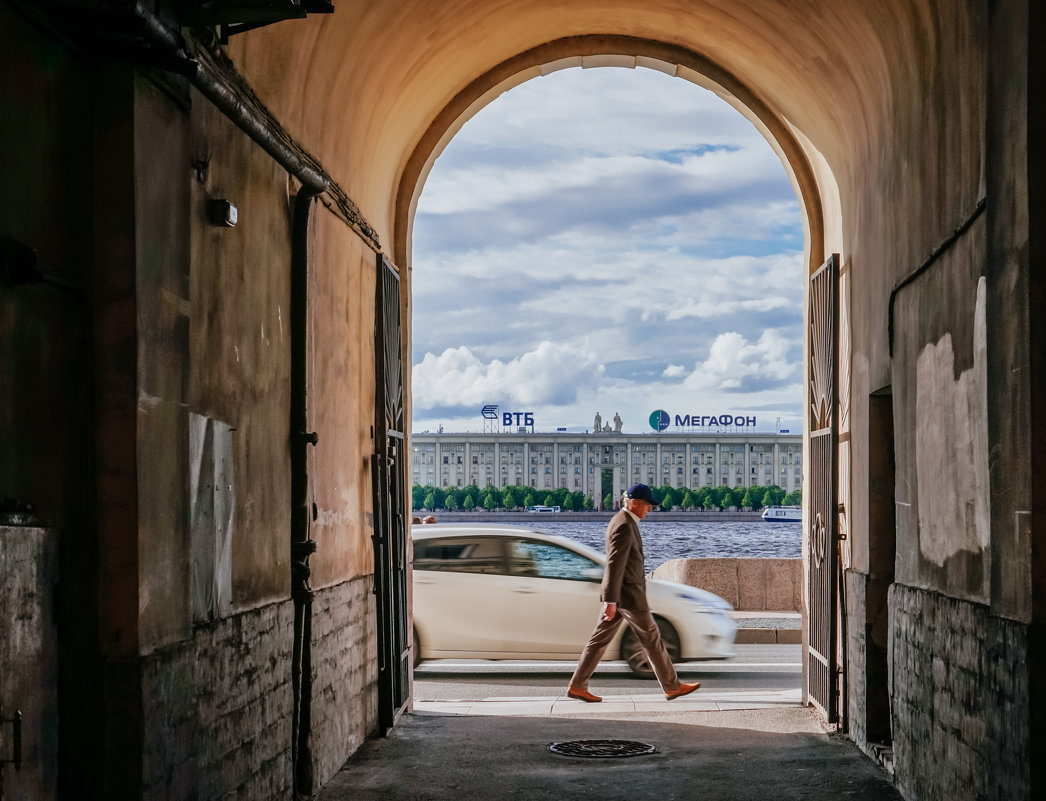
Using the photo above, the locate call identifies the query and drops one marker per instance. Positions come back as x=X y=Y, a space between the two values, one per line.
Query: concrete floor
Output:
x=777 y=752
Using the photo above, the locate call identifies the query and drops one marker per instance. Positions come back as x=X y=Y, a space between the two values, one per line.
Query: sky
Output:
x=607 y=240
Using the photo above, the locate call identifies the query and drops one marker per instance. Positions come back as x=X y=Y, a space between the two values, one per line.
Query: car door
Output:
x=554 y=597
x=460 y=594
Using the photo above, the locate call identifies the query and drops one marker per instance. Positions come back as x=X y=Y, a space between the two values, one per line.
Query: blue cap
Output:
x=641 y=492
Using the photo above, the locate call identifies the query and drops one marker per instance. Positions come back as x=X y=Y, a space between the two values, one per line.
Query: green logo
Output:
x=659 y=420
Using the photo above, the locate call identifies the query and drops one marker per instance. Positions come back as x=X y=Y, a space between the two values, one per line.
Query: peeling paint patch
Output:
x=951 y=446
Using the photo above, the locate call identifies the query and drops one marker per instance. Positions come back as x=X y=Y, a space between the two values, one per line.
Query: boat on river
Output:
x=782 y=514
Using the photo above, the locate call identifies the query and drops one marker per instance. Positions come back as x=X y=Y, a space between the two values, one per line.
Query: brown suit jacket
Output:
x=624 y=580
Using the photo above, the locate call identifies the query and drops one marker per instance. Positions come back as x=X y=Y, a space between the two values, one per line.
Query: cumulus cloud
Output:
x=549 y=374
x=674 y=371
x=735 y=364
x=589 y=236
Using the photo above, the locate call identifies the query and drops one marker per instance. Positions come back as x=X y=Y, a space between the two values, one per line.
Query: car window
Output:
x=460 y=555
x=546 y=560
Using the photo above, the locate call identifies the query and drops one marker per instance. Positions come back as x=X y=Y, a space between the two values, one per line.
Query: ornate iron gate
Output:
x=390 y=531
x=823 y=488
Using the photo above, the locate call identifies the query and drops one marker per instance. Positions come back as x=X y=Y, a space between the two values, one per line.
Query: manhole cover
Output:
x=601 y=749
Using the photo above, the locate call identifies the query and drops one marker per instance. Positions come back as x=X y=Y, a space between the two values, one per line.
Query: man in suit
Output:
x=624 y=598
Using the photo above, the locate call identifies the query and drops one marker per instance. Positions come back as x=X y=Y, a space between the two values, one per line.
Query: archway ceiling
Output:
x=360 y=87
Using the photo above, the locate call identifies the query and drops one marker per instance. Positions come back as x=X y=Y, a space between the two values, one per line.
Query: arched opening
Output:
x=806 y=170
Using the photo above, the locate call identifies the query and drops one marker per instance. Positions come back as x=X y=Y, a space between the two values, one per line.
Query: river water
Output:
x=664 y=540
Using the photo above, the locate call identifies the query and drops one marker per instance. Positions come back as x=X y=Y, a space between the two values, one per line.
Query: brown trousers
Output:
x=645 y=630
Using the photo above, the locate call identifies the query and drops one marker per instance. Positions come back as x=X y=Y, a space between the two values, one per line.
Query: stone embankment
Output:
x=535 y=518
x=767 y=594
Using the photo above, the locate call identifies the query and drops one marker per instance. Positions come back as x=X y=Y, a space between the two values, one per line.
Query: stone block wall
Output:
x=345 y=673
x=748 y=584
x=218 y=709
x=959 y=701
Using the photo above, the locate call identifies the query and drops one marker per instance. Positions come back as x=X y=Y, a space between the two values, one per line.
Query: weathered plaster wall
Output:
x=239 y=339
x=940 y=395
x=341 y=400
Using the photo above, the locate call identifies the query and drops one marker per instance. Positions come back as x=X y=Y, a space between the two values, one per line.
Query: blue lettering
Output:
x=506 y=419
x=750 y=421
x=704 y=420
x=528 y=419
x=713 y=421
x=726 y=420
x=683 y=421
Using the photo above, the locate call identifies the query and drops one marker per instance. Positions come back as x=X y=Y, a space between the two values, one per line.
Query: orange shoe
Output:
x=681 y=690
x=583 y=695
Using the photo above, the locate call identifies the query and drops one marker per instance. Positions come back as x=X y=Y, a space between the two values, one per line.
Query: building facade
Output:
x=575 y=461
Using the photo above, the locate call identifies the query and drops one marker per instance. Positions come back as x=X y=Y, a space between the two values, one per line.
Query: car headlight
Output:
x=707 y=605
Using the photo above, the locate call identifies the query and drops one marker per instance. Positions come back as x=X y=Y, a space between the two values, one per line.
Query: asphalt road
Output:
x=754 y=667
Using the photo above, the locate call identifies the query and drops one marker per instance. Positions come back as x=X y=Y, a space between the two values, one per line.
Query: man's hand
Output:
x=609 y=611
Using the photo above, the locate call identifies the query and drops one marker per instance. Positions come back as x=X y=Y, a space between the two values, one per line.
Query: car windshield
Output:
x=547 y=560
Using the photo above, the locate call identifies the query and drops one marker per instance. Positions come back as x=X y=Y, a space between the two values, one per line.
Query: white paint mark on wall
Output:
x=951 y=446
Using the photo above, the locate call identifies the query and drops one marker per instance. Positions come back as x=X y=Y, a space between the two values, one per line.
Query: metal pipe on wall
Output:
x=302 y=545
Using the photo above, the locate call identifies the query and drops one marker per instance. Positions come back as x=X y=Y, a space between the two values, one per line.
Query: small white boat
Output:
x=783 y=514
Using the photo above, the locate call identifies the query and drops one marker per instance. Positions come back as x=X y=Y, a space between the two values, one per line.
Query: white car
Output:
x=507 y=592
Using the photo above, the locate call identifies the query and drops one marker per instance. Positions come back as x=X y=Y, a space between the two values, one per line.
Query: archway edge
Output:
x=601 y=50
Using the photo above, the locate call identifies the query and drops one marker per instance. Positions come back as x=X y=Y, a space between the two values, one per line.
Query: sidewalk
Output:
x=768 y=627
x=724 y=747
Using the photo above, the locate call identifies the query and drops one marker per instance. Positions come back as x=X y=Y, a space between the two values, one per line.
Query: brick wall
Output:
x=217 y=711
x=959 y=701
x=218 y=708
x=28 y=656
x=345 y=673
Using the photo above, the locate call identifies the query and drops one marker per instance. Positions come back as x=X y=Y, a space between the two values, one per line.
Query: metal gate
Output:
x=390 y=531
x=823 y=488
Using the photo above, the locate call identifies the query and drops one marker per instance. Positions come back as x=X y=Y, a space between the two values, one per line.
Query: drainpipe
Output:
x=265 y=131
x=302 y=545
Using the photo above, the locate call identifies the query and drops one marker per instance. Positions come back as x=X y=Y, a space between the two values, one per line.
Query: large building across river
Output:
x=576 y=461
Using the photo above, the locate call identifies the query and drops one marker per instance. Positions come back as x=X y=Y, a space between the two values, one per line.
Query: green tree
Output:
x=588 y=503
x=793 y=498
x=430 y=500
x=608 y=501
x=417 y=496
x=709 y=502
x=469 y=504
x=439 y=497
x=577 y=500
x=550 y=500
x=489 y=503
x=567 y=504
x=669 y=498
x=450 y=503
x=768 y=498
x=529 y=500
x=737 y=494
x=699 y=496
x=687 y=501
x=508 y=498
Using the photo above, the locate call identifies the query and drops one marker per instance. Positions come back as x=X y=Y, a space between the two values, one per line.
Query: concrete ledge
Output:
x=747 y=583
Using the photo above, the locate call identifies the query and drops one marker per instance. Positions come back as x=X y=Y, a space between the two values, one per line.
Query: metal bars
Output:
x=390 y=531
x=822 y=517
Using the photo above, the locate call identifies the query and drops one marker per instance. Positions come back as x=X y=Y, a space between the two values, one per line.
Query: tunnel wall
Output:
x=165 y=365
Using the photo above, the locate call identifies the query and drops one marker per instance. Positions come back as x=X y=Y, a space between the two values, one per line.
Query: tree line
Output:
x=432 y=499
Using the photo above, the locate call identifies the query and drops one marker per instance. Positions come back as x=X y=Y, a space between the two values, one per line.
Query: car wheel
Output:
x=632 y=651
x=416 y=648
